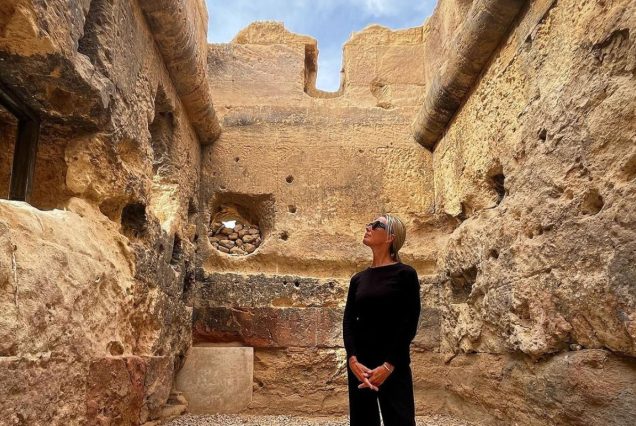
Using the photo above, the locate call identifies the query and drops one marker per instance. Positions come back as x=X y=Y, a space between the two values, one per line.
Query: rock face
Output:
x=520 y=218
x=92 y=321
x=525 y=250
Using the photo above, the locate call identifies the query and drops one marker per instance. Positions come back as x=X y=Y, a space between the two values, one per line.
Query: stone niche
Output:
x=239 y=223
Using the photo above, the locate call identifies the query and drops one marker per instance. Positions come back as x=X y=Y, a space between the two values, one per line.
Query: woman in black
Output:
x=380 y=321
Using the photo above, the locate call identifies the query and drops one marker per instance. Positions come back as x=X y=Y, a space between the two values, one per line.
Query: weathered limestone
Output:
x=217 y=379
x=92 y=321
x=180 y=29
x=483 y=29
x=520 y=223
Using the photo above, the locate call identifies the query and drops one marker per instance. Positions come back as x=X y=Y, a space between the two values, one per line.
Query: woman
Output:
x=380 y=321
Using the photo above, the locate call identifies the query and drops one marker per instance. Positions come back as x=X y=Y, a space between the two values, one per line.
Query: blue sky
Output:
x=331 y=22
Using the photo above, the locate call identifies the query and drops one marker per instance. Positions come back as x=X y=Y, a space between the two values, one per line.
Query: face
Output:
x=377 y=236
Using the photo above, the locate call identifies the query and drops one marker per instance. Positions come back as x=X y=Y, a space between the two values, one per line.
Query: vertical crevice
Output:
x=162 y=135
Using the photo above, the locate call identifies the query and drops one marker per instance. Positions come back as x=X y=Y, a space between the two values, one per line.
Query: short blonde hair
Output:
x=395 y=227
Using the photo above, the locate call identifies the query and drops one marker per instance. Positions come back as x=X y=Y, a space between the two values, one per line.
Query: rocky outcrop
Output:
x=70 y=322
x=93 y=323
x=485 y=26
x=520 y=223
x=180 y=30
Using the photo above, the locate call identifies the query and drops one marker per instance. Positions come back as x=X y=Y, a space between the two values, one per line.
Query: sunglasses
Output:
x=377 y=224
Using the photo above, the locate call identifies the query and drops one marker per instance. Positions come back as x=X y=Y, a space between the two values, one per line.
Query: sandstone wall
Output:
x=92 y=321
x=539 y=166
x=310 y=169
x=524 y=250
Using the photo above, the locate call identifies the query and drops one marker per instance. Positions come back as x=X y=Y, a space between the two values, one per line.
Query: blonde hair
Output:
x=395 y=227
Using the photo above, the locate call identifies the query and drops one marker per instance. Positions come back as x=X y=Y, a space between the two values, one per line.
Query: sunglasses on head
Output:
x=377 y=224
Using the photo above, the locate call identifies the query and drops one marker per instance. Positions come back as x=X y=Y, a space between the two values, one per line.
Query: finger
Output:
x=365 y=368
x=360 y=370
x=372 y=386
x=361 y=375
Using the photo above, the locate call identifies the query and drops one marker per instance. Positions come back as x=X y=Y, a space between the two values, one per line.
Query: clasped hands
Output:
x=371 y=379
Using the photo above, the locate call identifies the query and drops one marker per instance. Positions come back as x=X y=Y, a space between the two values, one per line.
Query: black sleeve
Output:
x=349 y=319
x=406 y=327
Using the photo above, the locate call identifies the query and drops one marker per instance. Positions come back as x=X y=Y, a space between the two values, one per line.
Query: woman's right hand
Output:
x=361 y=372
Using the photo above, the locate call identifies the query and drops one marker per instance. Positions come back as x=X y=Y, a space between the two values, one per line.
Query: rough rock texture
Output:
x=273 y=129
x=92 y=323
x=484 y=27
x=539 y=165
x=525 y=251
x=545 y=258
x=520 y=223
x=180 y=29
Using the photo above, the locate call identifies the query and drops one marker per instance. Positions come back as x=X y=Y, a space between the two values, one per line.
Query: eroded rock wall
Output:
x=311 y=169
x=538 y=165
x=92 y=323
x=525 y=251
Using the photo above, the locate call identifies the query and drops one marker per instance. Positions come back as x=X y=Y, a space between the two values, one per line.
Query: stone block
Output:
x=300 y=381
x=217 y=379
x=260 y=290
x=269 y=327
x=115 y=391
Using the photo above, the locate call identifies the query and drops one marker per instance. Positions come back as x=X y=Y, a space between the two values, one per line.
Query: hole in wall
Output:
x=133 y=220
x=291 y=208
x=289 y=179
x=177 y=251
x=232 y=234
x=284 y=235
x=498 y=182
x=542 y=134
x=592 y=202
x=162 y=135
x=461 y=284
x=8 y=132
x=37 y=165
x=311 y=74
x=240 y=222
x=115 y=348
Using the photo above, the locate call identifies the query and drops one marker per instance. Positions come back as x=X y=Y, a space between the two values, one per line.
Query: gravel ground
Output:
x=245 y=420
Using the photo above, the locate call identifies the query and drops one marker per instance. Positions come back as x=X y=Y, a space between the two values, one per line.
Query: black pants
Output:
x=395 y=396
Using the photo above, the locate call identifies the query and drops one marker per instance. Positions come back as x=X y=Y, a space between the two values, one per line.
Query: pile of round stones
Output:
x=241 y=240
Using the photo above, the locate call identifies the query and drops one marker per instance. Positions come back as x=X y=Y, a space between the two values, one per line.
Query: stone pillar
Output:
x=217 y=379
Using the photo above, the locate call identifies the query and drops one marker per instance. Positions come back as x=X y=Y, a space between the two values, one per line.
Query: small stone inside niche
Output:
x=234 y=235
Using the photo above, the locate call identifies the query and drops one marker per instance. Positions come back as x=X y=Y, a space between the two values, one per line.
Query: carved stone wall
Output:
x=92 y=321
x=520 y=219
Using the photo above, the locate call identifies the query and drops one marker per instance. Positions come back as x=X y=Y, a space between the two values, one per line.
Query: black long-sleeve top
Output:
x=381 y=314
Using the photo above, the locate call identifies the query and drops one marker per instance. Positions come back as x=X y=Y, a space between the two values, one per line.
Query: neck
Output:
x=381 y=257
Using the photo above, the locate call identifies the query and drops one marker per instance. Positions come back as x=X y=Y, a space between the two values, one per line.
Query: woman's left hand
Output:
x=378 y=375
